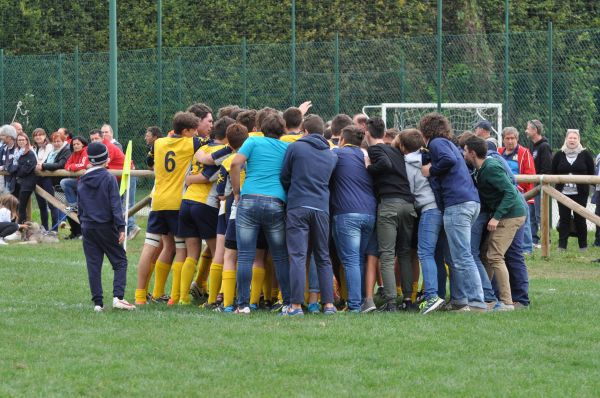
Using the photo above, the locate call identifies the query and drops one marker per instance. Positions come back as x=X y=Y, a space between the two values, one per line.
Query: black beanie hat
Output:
x=97 y=153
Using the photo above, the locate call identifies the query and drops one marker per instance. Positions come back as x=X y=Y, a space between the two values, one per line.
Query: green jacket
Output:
x=498 y=195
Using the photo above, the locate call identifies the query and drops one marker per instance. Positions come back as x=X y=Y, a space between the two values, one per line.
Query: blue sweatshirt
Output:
x=98 y=200
x=306 y=171
x=351 y=184
x=450 y=170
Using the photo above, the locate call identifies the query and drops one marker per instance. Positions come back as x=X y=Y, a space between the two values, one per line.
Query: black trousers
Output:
x=564 y=223
x=98 y=242
x=8 y=228
x=46 y=184
x=23 y=201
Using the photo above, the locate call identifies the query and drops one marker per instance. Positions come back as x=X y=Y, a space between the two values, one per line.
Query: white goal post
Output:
x=463 y=116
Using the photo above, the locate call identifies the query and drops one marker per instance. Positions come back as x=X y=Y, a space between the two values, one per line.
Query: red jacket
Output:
x=77 y=161
x=526 y=166
x=117 y=158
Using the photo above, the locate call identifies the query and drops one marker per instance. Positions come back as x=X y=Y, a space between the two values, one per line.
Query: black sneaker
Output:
x=408 y=306
x=389 y=306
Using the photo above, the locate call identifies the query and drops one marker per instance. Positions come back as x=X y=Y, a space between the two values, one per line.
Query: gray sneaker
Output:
x=390 y=306
x=367 y=306
x=520 y=306
x=431 y=305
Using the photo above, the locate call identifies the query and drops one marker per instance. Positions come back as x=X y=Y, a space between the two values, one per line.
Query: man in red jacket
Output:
x=520 y=161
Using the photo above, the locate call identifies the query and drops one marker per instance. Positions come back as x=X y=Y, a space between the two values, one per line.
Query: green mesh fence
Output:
x=71 y=90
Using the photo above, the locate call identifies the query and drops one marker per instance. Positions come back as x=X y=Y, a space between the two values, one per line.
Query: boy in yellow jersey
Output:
x=293 y=120
x=172 y=160
x=198 y=215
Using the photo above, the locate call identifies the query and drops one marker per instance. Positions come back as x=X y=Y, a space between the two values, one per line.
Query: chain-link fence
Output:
x=552 y=77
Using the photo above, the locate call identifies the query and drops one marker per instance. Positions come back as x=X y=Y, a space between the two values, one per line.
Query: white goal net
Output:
x=462 y=116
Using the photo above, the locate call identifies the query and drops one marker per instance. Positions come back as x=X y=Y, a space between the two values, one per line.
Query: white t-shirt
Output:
x=4 y=215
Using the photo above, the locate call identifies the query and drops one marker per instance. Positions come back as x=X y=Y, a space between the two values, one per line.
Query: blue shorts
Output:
x=197 y=220
x=221 y=224
x=163 y=222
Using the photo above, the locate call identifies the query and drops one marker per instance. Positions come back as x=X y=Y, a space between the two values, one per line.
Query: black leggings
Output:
x=564 y=223
x=8 y=228
x=46 y=184
x=23 y=201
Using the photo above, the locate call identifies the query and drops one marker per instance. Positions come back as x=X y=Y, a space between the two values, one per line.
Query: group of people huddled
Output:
x=298 y=215
x=22 y=157
x=294 y=210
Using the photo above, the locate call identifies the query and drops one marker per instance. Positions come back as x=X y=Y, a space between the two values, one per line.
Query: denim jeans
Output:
x=458 y=220
x=478 y=231
x=527 y=236
x=535 y=211
x=352 y=233
x=132 y=189
x=253 y=213
x=430 y=226
x=307 y=230
x=69 y=187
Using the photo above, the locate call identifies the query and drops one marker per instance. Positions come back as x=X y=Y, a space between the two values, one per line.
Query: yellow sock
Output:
x=258 y=277
x=187 y=274
x=228 y=288
x=415 y=290
x=160 y=278
x=279 y=295
x=398 y=290
x=214 y=282
x=140 y=296
x=175 y=286
x=274 y=293
x=203 y=266
x=152 y=265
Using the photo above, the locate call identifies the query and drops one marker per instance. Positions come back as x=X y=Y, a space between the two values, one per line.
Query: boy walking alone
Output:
x=102 y=227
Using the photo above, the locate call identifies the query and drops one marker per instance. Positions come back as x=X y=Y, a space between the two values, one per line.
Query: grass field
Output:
x=53 y=344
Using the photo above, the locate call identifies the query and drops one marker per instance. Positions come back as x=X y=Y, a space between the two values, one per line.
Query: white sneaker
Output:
x=2 y=242
x=133 y=232
x=243 y=310
x=122 y=304
x=97 y=308
x=13 y=237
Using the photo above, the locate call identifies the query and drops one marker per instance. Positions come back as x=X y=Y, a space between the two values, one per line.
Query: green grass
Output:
x=52 y=344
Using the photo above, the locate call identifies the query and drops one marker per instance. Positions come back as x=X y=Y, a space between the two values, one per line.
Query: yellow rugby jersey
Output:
x=203 y=192
x=172 y=160
x=227 y=165
x=293 y=137
x=255 y=134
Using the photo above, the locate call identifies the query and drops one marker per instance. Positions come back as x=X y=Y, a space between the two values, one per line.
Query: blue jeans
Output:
x=458 y=220
x=534 y=211
x=352 y=233
x=477 y=233
x=430 y=226
x=253 y=213
x=527 y=235
x=132 y=189
x=69 y=187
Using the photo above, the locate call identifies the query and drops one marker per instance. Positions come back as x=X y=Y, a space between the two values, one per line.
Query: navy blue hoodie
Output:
x=451 y=176
x=351 y=184
x=306 y=171
x=99 y=202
